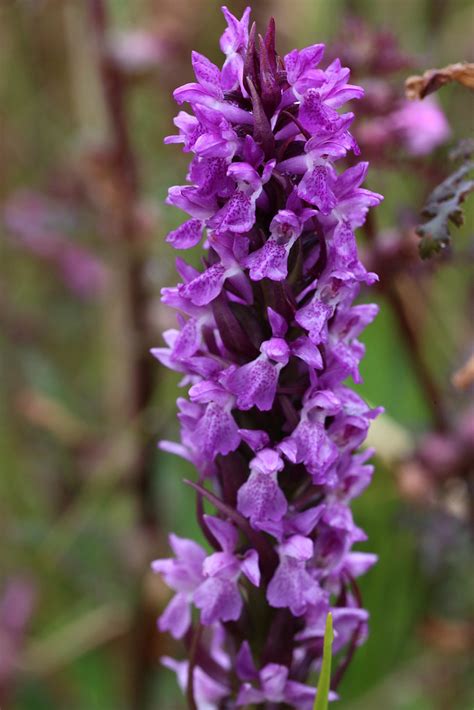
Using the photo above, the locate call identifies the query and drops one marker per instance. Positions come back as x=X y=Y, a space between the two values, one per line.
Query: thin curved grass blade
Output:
x=322 y=695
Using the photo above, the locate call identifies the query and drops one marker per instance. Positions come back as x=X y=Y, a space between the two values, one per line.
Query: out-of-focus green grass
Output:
x=77 y=560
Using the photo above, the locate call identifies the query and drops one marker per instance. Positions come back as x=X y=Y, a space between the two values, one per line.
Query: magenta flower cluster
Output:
x=266 y=338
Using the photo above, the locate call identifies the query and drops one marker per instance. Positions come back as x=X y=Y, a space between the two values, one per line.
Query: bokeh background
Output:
x=86 y=498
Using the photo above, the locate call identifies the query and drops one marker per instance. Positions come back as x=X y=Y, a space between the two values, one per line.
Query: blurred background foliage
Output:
x=86 y=499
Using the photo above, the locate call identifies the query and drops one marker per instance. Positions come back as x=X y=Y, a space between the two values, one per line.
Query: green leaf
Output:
x=322 y=696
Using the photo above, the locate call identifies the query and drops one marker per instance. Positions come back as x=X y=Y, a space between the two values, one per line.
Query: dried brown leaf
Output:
x=417 y=87
x=447 y=635
x=464 y=377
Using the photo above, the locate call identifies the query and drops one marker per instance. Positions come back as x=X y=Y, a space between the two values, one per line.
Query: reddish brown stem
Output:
x=114 y=90
x=410 y=334
x=340 y=672
x=345 y=663
x=127 y=235
x=192 y=663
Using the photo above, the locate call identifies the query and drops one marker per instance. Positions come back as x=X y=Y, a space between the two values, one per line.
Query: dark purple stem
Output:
x=340 y=672
x=192 y=663
x=344 y=665
x=302 y=129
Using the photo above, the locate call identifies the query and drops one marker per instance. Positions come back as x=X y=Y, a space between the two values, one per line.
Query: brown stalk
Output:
x=192 y=664
x=410 y=332
x=126 y=237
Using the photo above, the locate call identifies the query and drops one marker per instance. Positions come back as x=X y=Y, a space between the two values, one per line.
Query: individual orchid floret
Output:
x=267 y=334
x=184 y=575
x=234 y=45
x=187 y=235
x=218 y=597
x=292 y=585
x=310 y=443
x=253 y=384
x=208 y=692
x=336 y=534
x=260 y=499
x=238 y=214
x=271 y=261
x=207 y=134
x=213 y=431
x=270 y=684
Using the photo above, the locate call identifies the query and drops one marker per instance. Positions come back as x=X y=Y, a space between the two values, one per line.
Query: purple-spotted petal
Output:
x=216 y=432
x=314 y=317
x=207 y=74
x=318 y=118
x=205 y=287
x=316 y=188
x=254 y=384
x=187 y=341
x=270 y=261
x=219 y=600
x=237 y=215
x=260 y=499
x=345 y=244
x=187 y=235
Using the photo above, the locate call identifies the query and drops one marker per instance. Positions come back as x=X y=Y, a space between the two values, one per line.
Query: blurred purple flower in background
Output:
x=42 y=226
x=266 y=336
x=137 y=50
x=388 y=121
x=16 y=606
x=419 y=127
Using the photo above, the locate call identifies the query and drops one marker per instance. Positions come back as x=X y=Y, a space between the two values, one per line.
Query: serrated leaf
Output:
x=444 y=204
x=324 y=684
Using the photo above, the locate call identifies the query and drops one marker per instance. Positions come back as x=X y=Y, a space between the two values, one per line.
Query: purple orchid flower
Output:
x=260 y=499
x=183 y=574
x=273 y=684
x=218 y=597
x=267 y=334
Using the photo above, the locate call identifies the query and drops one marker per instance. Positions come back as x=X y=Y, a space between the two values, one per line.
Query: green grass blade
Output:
x=322 y=696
